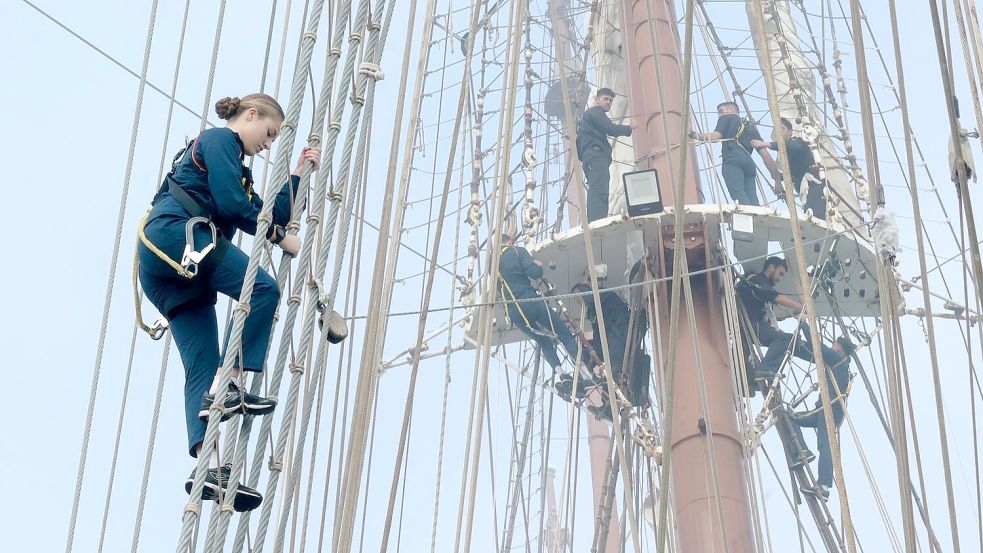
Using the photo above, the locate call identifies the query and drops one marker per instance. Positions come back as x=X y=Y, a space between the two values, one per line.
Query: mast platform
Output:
x=845 y=258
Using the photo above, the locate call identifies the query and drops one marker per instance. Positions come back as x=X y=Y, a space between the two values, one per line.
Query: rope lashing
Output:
x=371 y=70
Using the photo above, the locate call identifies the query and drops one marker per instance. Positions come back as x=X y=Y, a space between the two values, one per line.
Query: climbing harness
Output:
x=193 y=261
x=503 y=288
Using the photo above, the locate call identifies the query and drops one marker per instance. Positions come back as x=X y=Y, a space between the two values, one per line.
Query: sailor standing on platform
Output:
x=758 y=294
x=837 y=360
x=801 y=164
x=516 y=271
x=737 y=135
x=594 y=151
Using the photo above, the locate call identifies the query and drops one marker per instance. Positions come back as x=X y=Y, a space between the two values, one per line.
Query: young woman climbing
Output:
x=186 y=259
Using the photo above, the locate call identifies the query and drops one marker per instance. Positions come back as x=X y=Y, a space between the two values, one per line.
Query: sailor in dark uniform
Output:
x=801 y=163
x=624 y=331
x=594 y=150
x=516 y=271
x=837 y=360
x=207 y=197
x=737 y=167
x=757 y=293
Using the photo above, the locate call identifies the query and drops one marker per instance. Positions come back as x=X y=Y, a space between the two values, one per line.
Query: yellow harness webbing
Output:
x=157 y=330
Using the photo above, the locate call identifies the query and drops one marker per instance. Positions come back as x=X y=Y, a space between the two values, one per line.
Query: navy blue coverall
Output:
x=737 y=167
x=212 y=174
x=838 y=366
x=594 y=150
x=624 y=343
x=757 y=294
x=515 y=269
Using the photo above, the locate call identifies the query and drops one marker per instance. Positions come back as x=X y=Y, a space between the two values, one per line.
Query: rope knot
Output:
x=334 y=126
x=336 y=52
x=371 y=70
x=314 y=137
x=288 y=125
x=310 y=35
x=275 y=465
x=294 y=299
x=355 y=37
x=357 y=100
x=243 y=308
x=227 y=508
x=292 y=225
x=334 y=196
x=192 y=508
x=296 y=368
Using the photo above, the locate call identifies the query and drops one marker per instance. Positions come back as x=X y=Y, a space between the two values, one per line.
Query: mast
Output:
x=652 y=52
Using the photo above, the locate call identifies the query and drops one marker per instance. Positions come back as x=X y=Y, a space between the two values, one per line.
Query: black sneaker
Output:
x=820 y=491
x=236 y=402
x=246 y=498
x=805 y=458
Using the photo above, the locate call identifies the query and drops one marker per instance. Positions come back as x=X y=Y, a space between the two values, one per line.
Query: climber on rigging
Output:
x=594 y=151
x=516 y=271
x=205 y=198
x=758 y=295
x=801 y=163
x=737 y=136
x=839 y=380
x=625 y=331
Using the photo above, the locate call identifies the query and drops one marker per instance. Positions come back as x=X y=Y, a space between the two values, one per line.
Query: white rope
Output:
x=288 y=133
x=104 y=325
x=366 y=83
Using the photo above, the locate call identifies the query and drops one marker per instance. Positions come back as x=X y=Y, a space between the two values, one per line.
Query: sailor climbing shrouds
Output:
x=758 y=294
x=625 y=332
x=737 y=167
x=594 y=151
x=201 y=203
x=837 y=360
x=516 y=271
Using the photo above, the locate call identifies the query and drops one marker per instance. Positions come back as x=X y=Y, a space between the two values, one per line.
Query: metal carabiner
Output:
x=192 y=258
x=158 y=329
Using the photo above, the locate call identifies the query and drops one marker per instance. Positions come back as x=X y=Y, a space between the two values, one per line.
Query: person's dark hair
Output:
x=604 y=91
x=848 y=346
x=775 y=261
x=786 y=123
x=729 y=104
x=506 y=238
x=231 y=107
x=580 y=287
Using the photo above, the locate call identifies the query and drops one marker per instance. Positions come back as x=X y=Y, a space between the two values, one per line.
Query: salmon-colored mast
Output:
x=652 y=54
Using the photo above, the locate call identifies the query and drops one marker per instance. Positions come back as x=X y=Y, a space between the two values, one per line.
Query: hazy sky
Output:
x=69 y=113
